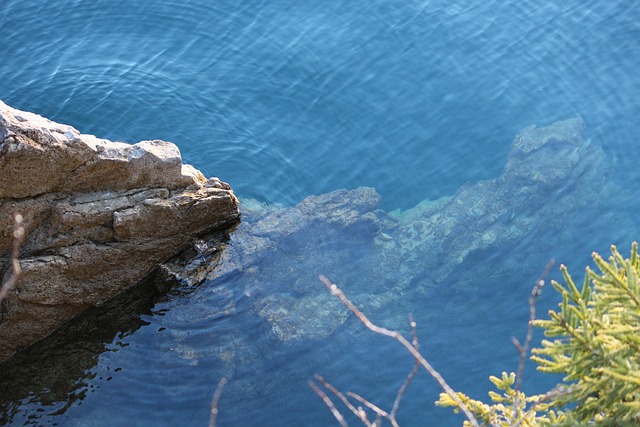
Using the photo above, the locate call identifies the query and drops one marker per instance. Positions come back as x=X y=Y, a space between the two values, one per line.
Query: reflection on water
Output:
x=56 y=374
x=417 y=99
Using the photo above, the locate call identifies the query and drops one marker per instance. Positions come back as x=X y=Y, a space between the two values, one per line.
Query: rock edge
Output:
x=99 y=216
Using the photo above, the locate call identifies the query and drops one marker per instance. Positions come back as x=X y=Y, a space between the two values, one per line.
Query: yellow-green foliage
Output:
x=509 y=408
x=594 y=341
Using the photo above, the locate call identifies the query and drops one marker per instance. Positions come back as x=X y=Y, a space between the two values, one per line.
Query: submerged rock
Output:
x=552 y=174
x=99 y=216
x=270 y=263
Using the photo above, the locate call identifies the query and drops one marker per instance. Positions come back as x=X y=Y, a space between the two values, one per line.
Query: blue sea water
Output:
x=284 y=99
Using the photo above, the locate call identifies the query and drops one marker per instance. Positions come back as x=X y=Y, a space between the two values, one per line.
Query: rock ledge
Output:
x=99 y=216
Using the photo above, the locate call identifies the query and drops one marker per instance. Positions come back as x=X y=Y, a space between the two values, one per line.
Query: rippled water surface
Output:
x=284 y=99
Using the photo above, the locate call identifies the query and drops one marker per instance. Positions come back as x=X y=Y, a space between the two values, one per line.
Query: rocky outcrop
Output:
x=99 y=216
x=259 y=298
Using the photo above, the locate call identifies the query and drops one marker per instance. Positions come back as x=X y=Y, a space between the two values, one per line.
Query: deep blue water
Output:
x=283 y=99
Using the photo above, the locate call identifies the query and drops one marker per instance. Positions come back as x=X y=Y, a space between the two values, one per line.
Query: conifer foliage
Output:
x=593 y=340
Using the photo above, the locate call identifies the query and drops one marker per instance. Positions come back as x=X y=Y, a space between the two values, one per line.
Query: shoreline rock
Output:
x=99 y=216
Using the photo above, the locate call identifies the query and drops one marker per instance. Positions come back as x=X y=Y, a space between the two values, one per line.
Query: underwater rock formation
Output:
x=551 y=174
x=98 y=215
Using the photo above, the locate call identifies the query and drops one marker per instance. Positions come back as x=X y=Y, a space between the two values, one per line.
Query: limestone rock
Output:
x=99 y=216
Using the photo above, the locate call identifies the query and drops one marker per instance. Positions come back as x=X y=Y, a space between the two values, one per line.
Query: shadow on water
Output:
x=55 y=373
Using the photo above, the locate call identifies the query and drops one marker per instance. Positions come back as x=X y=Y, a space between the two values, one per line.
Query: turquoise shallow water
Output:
x=283 y=99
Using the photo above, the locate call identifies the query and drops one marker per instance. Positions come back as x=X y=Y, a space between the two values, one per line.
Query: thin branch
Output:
x=358 y=413
x=327 y=401
x=410 y=377
x=523 y=350
x=554 y=393
x=18 y=238
x=215 y=400
x=533 y=298
x=397 y=336
x=368 y=404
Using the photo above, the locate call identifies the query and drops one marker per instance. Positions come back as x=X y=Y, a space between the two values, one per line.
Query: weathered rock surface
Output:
x=99 y=215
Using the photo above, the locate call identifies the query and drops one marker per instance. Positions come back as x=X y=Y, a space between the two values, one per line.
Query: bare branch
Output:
x=18 y=238
x=554 y=393
x=410 y=377
x=397 y=336
x=368 y=404
x=215 y=400
x=360 y=414
x=327 y=401
x=524 y=349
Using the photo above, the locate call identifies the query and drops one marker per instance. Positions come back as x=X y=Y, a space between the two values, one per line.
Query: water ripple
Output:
x=285 y=99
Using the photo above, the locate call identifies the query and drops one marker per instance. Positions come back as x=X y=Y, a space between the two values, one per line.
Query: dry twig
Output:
x=18 y=238
x=379 y=412
x=412 y=374
x=524 y=349
x=328 y=402
x=420 y=360
x=215 y=400
x=359 y=412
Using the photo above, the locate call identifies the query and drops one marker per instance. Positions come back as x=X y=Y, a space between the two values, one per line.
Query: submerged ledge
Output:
x=98 y=215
